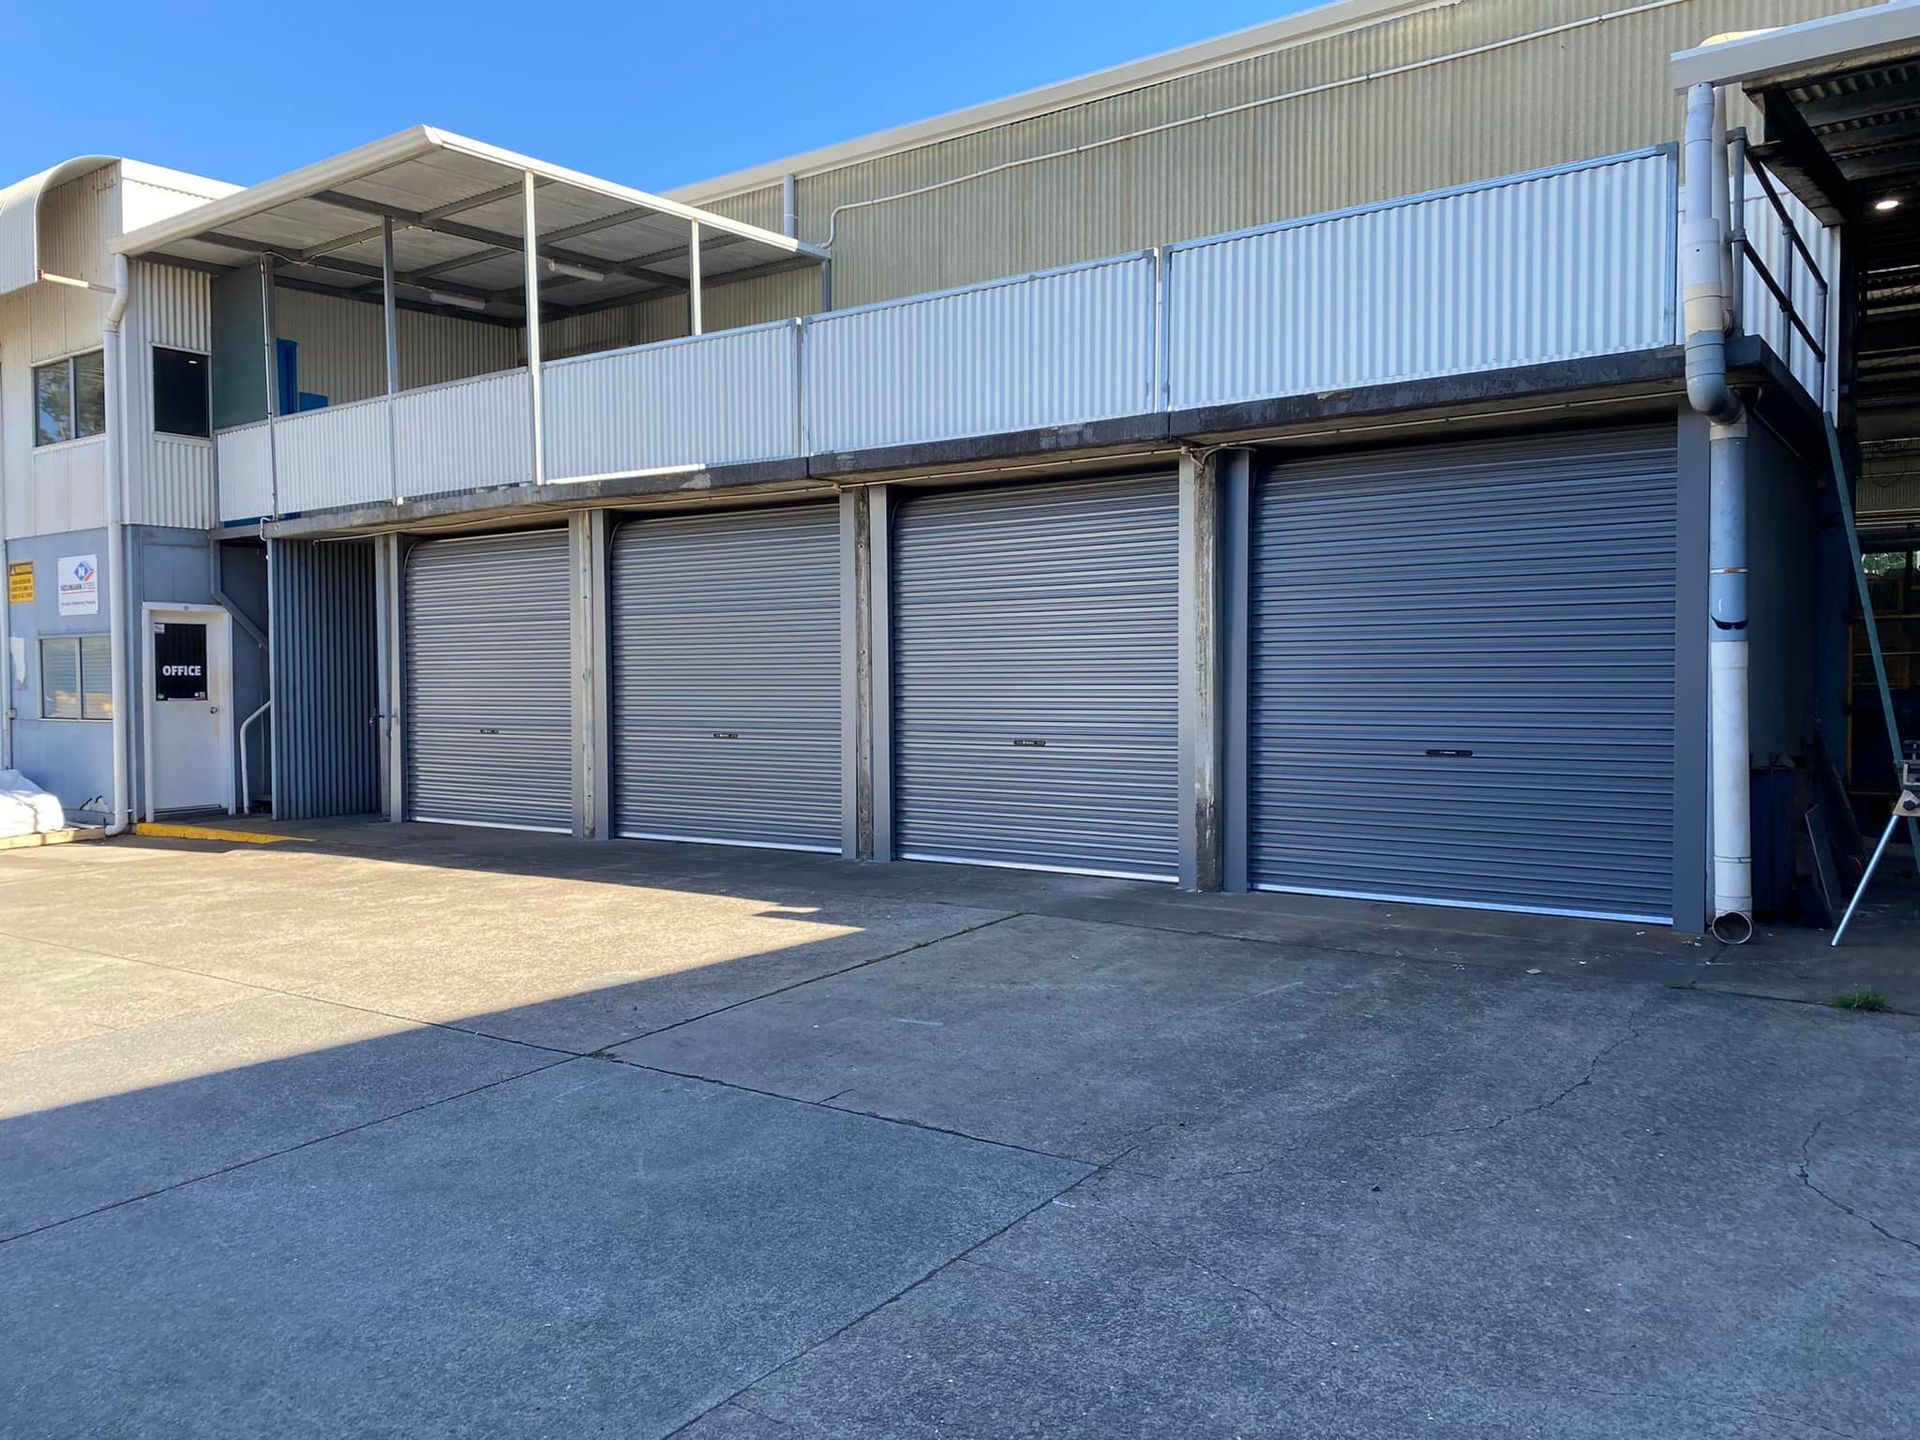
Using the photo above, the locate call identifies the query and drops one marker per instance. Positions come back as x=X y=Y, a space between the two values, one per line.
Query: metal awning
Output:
x=1839 y=124
x=455 y=208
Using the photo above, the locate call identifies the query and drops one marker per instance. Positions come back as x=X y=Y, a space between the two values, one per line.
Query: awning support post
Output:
x=530 y=230
x=391 y=319
x=695 y=320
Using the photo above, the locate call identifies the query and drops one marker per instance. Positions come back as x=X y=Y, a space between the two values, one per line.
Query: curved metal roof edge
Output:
x=20 y=218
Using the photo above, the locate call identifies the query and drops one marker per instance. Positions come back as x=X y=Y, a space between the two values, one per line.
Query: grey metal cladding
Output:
x=489 y=731
x=1462 y=674
x=325 y=750
x=1035 y=676
x=726 y=677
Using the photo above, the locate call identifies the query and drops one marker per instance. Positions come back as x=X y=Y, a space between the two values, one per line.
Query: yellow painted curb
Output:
x=161 y=830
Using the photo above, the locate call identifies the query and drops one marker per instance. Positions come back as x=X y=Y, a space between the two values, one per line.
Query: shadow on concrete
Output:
x=421 y=1131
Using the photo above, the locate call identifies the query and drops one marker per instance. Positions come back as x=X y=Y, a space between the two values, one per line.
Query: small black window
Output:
x=70 y=399
x=180 y=393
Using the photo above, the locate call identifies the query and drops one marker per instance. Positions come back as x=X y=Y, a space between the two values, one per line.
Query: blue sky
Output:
x=651 y=95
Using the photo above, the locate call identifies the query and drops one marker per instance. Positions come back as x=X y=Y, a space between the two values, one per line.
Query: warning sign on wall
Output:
x=20 y=583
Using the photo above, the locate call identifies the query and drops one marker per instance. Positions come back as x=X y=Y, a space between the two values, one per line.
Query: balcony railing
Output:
x=1548 y=266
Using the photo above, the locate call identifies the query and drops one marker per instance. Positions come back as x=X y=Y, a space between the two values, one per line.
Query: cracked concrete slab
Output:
x=1632 y=1254
x=587 y=1250
x=1364 y=1174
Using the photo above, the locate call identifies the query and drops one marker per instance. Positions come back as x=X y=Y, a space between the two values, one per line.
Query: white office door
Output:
x=186 y=695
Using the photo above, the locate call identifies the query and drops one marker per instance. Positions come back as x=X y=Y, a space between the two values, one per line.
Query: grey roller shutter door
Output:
x=1035 y=674
x=1462 y=675
x=726 y=677
x=489 y=732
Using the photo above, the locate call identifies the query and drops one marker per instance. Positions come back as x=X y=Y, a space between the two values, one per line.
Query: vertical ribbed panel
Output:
x=489 y=703
x=716 y=400
x=1521 y=272
x=1763 y=316
x=726 y=677
x=343 y=347
x=469 y=435
x=335 y=456
x=325 y=669
x=170 y=478
x=1045 y=350
x=1035 y=676
x=1463 y=674
x=246 y=472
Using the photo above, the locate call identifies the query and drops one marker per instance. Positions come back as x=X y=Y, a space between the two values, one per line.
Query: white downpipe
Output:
x=1704 y=302
x=119 y=576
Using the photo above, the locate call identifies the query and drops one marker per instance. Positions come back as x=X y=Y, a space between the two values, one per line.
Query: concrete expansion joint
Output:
x=1804 y=1173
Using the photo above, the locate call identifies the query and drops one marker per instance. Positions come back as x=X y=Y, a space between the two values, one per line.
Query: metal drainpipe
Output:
x=1704 y=304
x=113 y=357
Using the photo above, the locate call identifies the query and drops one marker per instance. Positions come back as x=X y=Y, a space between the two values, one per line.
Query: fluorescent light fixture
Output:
x=459 y=302
x=1886 y=203
x=574 y=272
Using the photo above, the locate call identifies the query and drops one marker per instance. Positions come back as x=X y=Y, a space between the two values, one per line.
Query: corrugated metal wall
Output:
x=341 y=455
x=246 y=472
x=465 y=436
x=343 y=345
x=1549 y=267
x=719 y=399
x=325 y=678
x=170 y=478
x=1561 y=97
x=1057 y=349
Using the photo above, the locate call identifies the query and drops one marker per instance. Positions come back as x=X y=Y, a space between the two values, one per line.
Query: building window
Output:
x=70 y=399
x=76 y=677
x=180 y=397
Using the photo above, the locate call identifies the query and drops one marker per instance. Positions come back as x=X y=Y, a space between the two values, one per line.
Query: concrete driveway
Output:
x=413 y=1131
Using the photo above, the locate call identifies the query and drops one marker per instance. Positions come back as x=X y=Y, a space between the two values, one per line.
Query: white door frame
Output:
x=219 y=642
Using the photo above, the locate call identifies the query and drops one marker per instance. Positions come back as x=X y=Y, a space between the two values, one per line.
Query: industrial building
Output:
x=1381 y=453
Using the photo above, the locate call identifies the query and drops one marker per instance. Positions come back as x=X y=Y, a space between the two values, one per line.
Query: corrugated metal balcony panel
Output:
x=1761 y=314
x=245 y=462
x=1552 y=266
x=1045 y=350
x=714 y=400
x=467 y=435
x=333 y=456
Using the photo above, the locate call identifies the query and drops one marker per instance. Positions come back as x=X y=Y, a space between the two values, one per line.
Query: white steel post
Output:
x=390 y=318
x=531 y=231
x=695 y=320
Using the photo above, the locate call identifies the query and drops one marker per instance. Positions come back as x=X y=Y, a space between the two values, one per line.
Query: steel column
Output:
x=1236 y=603
x=530 y=233
x=592 y=718
x=695 y=320
x=879 y=638
x=1200 y=671
x=389 y=560
x=389 y=313
x=856 y=676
